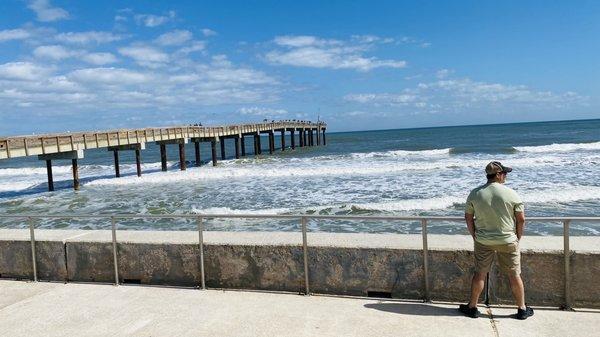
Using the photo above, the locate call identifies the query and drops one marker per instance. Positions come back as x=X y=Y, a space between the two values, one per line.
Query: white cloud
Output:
x=193 y=47
x=108 y=76
x=208 y=32
x=150 y=20
x=383 y=99
x=145 y=55
x=14 y=34
x=443 y=73
x=263 y=112
x=99 y=58
x=54 y=52
x=314 y=52
x=88 y=37
x=174 y=38
x=45 y=12
x=463 y=93
x=23 y=71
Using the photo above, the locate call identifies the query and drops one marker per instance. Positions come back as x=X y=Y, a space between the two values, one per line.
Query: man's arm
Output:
x=520 y=219
x=470 y=219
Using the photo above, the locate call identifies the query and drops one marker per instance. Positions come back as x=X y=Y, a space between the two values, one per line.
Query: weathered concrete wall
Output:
x=350 y=264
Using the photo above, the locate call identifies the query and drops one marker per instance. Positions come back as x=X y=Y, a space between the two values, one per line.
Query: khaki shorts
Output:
x=509 y=257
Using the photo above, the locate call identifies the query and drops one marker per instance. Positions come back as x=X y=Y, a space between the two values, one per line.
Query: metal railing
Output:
x=566 y=221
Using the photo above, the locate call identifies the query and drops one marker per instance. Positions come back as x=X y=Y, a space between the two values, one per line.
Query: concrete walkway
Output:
x=56 y=309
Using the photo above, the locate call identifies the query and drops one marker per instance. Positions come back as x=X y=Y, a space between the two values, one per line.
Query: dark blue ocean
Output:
x=425 y=171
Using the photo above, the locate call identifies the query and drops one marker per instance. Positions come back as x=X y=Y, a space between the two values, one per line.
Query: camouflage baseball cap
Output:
x=496 y=167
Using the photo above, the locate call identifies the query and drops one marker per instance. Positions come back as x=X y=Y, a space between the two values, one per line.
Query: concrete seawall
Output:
x=345 y=264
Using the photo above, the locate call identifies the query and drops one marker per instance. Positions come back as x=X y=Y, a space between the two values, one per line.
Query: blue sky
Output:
x=82 y=65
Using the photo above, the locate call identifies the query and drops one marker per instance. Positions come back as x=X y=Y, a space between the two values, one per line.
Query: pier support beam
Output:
x=257 y=146
x=213 y=148
x=324 y=141
x=311 y=140
x=271 y=142
x=197 y=153
x=163 y=157
x=237 y=147
x=318 y=131
x=283 y=140
x=75 y=174
x=117 y=170
x=182 y=164
x=73 y=155
x=243 y=145
x=292 y=139
x=163 y=152
x=128 y=147
x=222 y=141
x=301 y=138
x=50 y=178
x=306 y=143
x=138 y=162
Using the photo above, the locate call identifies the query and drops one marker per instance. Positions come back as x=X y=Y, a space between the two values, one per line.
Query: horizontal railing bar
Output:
x=274 y=216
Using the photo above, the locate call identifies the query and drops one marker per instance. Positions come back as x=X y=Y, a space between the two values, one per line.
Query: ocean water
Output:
x=427 y=171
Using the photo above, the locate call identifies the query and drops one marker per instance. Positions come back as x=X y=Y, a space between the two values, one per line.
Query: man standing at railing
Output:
x=495 y=218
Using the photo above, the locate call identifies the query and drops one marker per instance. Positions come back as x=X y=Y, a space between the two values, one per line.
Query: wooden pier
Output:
x=71 y=146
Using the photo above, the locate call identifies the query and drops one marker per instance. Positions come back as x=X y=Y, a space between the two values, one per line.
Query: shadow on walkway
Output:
x=419 y=309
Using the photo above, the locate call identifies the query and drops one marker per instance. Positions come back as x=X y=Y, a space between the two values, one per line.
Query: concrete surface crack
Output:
x=492 y=321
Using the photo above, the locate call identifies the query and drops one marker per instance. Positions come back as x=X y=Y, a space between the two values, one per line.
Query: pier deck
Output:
x=55 y=309
x=71 y=146
x=20 y=146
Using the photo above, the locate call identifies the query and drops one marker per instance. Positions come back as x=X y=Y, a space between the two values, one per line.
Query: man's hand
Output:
x=470 y=219
x=520 y=219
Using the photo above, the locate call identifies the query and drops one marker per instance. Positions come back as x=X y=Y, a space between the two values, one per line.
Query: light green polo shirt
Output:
x=494 y=206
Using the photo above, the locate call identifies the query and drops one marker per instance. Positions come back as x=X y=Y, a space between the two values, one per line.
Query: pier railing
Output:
x=303 y=221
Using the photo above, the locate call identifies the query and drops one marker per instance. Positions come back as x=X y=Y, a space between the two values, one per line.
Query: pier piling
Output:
x=237 y=147
x=243 y=145
x=116 y=156
x=49 y=171
x=318 y=131
x=197 y=153
x=213 y=148
x=163 y=157
x=182 y=164
x=222 y=141
x=271 y=142
x=324 y=141
x=75 y=174
x=257 y=144
x=283 y=140
x=138 y=162
x=73 y=155
x=300 y=138
x=292 y=139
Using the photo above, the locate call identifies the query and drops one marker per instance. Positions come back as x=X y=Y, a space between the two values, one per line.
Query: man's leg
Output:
x=516 y=285
x=484 y=256
x=509 y=259
x=477 y=285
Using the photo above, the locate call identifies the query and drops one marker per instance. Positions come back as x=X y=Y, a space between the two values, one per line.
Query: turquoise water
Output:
x=426 y=171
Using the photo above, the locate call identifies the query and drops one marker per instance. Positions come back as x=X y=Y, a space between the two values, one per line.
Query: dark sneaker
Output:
x=468 y=311
x=523 y=314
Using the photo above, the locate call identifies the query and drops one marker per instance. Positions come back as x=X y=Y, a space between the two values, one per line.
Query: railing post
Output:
x=33 y=255
x=567 y=255
x=114 y=248
x=305 y=254
x=201 y=248
x=427 y=298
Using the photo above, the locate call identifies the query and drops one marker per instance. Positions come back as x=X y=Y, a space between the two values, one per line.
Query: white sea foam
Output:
x=567 y=147
x=227 y=210
x=402 y=153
